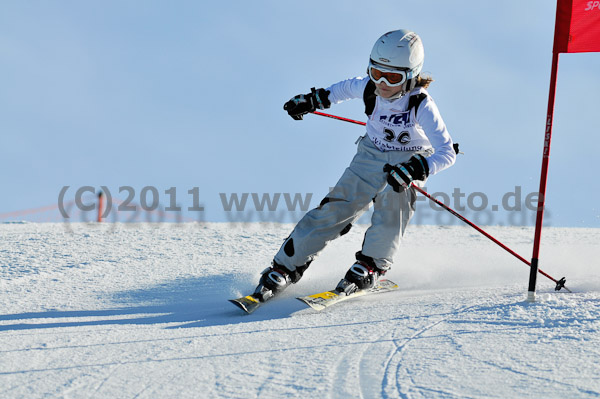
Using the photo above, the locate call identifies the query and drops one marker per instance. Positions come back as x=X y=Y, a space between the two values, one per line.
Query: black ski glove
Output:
x=401 y=175
x=302 y=104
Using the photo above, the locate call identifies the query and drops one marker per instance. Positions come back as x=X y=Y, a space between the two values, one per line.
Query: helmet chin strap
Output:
x=411 y=83
x=394 y=97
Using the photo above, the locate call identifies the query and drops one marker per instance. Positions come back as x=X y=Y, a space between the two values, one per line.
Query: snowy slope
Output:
x=140 y=311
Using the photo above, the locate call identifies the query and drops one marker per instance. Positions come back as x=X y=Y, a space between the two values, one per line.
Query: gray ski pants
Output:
x=362 y=183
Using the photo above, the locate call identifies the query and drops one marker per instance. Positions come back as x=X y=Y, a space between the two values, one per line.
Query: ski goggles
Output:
x=392 y=77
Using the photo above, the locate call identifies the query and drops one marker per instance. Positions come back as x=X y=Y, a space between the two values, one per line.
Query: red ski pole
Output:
x=559 y=283
x=339 y=118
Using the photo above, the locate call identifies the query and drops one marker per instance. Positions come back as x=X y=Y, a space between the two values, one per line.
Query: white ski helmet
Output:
x=399 y=51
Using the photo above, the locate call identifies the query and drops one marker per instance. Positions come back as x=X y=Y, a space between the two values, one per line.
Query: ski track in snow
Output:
x=140 y=311
x=397 y=356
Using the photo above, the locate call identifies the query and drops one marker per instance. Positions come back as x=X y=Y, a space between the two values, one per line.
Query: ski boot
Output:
x=275 y=279
x=362 y=275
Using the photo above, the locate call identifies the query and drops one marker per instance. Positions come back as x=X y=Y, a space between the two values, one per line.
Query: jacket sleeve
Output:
x=444 y=156
x=347 y=89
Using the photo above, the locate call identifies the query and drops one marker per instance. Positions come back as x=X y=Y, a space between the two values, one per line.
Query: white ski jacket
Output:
x=392 y=127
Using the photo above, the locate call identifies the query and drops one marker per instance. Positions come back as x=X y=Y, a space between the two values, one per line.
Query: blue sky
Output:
x=189 y=94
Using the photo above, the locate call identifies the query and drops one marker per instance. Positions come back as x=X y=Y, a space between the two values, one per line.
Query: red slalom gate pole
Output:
x=559 y=283
x=543 y=179
x=100 y=206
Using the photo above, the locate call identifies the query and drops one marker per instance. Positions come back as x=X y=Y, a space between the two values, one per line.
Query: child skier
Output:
x=406 y=141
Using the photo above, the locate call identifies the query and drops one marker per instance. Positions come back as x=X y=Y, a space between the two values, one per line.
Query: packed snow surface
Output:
x=141 y=311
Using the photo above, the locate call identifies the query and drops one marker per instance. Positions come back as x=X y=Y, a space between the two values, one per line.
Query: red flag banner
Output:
x=577 y=26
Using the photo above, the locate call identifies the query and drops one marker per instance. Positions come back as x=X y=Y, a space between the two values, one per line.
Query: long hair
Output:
x=424 y=81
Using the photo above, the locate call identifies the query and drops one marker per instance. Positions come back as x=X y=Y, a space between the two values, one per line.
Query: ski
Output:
x=247 y=303
x=324 y=299
x=318 y=301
